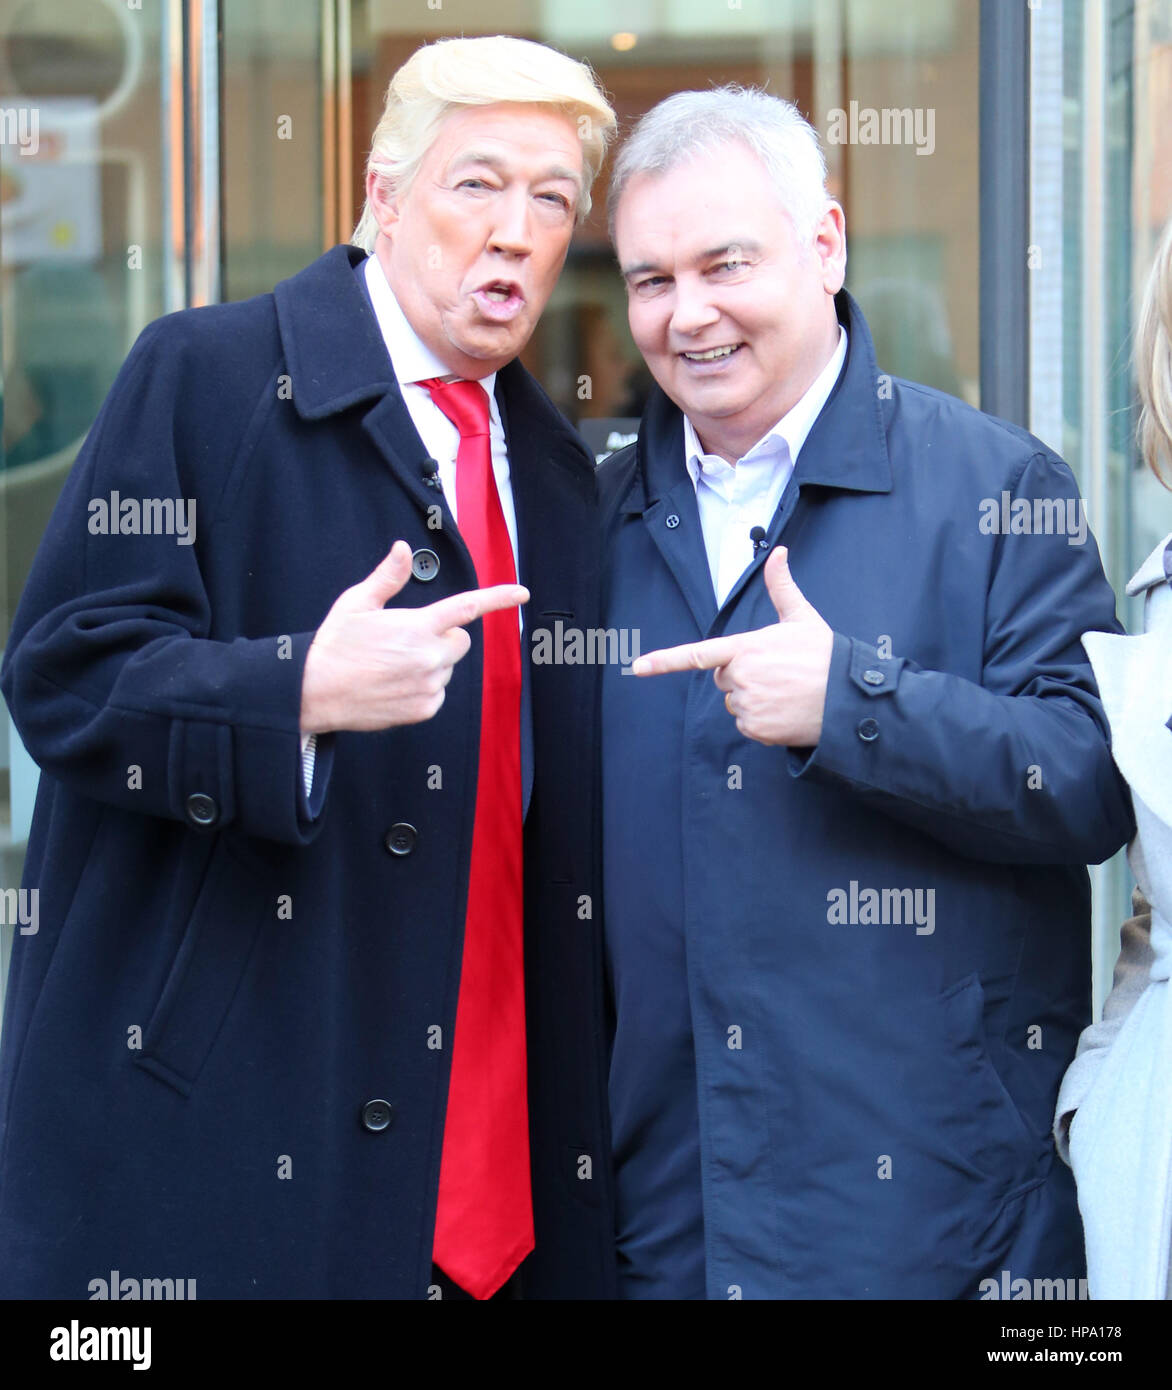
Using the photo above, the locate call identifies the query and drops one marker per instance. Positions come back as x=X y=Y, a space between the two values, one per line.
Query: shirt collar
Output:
x=411 y=358
x=793 y=427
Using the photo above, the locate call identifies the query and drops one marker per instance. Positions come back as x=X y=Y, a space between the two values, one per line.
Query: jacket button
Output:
x=425 y=565
x=376 y=1115
x=868 y=730
x=873 y=677
x=672 y=522
x=401 y=838
x=202 y=810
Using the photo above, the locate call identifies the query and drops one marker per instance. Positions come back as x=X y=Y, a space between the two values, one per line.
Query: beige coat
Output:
x=1113 y=1122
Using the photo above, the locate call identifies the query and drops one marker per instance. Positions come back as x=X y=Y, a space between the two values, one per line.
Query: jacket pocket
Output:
x=207 y=971
x=993 y=1134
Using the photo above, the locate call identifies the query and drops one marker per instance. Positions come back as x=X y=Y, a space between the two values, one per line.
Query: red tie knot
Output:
x=465 y=403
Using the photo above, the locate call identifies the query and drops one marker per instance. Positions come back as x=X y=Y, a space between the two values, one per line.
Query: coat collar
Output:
x=1151 y=572
x=334 y=350
x=846 y=448
x=337 y=357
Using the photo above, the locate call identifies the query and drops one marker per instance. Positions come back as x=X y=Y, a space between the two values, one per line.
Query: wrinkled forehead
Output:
x=695 y=212
x=512 y=137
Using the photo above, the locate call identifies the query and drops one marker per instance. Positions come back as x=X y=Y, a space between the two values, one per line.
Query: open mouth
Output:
x=716 y=354
x=499 y=300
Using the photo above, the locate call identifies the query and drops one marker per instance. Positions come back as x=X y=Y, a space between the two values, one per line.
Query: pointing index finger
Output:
x=460 y=609
x=692 y=656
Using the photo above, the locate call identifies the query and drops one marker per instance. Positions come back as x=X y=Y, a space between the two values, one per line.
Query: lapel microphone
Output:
x=757 y=536
x=430 y=470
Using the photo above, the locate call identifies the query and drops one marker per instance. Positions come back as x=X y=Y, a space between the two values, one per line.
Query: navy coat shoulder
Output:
x=227 y=973
x=886 y=936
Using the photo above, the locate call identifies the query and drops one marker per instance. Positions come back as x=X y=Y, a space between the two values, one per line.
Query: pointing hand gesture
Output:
x=371 y=667
x=774 y=679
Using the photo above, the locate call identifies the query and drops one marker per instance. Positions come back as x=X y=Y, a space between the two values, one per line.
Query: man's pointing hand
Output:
x=774 y=679
x=371 y=667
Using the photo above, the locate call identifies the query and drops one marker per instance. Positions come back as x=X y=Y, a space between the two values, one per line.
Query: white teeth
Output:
x=499 y=296
x=712 y=355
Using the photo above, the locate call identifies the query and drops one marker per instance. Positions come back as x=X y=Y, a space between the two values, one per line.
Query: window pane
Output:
x=273 y=141
x=81 y=273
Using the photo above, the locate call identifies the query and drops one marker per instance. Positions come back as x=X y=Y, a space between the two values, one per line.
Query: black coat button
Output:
x=868 y=730
x=873 y=677
x=202 y=810
x=401 y=838
x=377 y=1115
x=425 y=565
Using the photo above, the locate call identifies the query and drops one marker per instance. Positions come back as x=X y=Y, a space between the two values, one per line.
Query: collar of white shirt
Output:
x=791 y=430
x=411 y=358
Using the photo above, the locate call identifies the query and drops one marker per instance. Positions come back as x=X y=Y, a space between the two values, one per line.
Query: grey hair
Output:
x=693 y=123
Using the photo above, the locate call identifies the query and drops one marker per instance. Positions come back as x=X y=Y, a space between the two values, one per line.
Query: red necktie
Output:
x=484 y=1215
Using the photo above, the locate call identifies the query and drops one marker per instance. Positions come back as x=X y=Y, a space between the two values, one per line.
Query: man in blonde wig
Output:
x=314 y=841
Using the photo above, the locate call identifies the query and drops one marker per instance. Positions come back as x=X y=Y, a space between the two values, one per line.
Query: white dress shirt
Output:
x=413 y=361
x=732 y=500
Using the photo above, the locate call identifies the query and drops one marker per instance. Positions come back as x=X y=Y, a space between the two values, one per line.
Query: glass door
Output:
x=85 y=87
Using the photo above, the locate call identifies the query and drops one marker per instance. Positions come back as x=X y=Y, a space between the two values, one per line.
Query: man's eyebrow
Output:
x=494 y=161
x=728 y=252
x=560 y=171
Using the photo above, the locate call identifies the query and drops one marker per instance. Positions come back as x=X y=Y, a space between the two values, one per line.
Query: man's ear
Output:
x=830 y=247
x=384 y=202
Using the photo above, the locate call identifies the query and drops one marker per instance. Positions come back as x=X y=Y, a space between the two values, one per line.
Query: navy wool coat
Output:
x=876 y=1067
x=226 y=973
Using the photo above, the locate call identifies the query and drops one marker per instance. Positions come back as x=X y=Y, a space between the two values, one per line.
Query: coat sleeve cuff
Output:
x=852 y=718
x=249 y=775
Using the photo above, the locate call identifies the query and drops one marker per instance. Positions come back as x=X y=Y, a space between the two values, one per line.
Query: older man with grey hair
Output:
x=849 y=803
x=314 y=1007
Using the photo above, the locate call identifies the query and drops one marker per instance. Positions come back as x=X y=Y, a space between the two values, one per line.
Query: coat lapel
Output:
x=523 y=569
x=552 y=485
x=337 y=359
x=548 y=465
x=667 y=502
x=847 y=446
